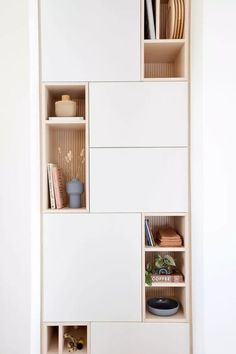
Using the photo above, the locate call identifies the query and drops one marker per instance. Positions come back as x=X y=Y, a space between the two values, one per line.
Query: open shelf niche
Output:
x=179 y=258
x=55 y=343
x=165 y=58
x=51 y=340
x=179 y=291
x=65 y=140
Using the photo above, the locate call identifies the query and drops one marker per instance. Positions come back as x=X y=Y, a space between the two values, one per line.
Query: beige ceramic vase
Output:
x=66 y=107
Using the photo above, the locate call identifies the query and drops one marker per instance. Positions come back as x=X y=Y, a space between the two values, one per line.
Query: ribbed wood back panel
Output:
x=163 y=20
x=66 y=148
x=160 y=221
x=155 y=70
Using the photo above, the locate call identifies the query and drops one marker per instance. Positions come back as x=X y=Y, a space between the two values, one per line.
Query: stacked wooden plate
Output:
x=175 y=19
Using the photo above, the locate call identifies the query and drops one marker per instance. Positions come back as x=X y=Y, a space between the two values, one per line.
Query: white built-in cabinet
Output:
x=139 y=338
x=90 y=40
x=139 y=179
x=131 y=152
x=138 y=114
x=92 y=267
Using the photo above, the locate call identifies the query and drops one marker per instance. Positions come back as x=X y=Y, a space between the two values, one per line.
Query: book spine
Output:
x=152 y=241
x=50 y=185
x=57 y=187
x=150 y=18
x=147 y=234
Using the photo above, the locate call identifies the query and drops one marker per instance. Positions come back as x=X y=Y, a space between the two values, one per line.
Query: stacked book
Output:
x=56 y=186
x=168 y=237
x=148 y=234
x=176 y=277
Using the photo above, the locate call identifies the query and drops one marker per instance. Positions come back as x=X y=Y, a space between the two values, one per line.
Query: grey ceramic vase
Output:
x=74 y=189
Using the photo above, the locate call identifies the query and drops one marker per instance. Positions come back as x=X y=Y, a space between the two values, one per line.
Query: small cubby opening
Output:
x=178 y=294
x=66 y=147
x=164 y=59
x=178 y=222
x=52 y=339
x=179 y=258
x=76 y=92
x=79 y=333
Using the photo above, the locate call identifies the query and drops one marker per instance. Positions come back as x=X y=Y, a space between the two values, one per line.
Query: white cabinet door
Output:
x=90 y=40
x=140 y=338
x=149 y=180
x=92 y=267
x=135 y=114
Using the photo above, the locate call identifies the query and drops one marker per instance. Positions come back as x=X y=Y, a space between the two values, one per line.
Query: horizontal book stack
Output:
x=168 y=237
x=176 y=277
x=56 y=186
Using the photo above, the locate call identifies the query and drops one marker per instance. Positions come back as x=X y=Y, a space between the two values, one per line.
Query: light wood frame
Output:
x=180 y=291
x=164 y=59
x=76 y=90
x=53 y=337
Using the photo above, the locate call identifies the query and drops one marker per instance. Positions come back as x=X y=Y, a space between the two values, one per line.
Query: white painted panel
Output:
x=92 y=267
x=139 y=338
x=139 y=179
x=90 y=40
x=138 y=114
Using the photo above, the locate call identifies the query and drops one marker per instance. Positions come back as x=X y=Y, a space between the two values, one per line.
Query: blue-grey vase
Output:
x=74 y=189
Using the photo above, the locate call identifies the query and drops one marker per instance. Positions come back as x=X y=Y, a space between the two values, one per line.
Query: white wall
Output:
x=219 y=119
x=214 y=176
x=14 y=179
x=197 y=176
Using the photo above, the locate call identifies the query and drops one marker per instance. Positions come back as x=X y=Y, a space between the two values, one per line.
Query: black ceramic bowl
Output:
x=162 y=306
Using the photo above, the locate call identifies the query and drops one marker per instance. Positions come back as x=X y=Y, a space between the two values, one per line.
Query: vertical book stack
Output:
x=56 y=187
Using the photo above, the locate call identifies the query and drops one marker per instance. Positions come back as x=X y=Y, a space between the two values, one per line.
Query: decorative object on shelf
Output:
x=162 y=306
x=66 y=107
x=74 y=190
x=175 y=19
x=162 y=266
x=73 y=344
x=74 y=187
x=168 y=237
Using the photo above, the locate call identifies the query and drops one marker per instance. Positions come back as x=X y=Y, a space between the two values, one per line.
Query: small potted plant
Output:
x=162 y=265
